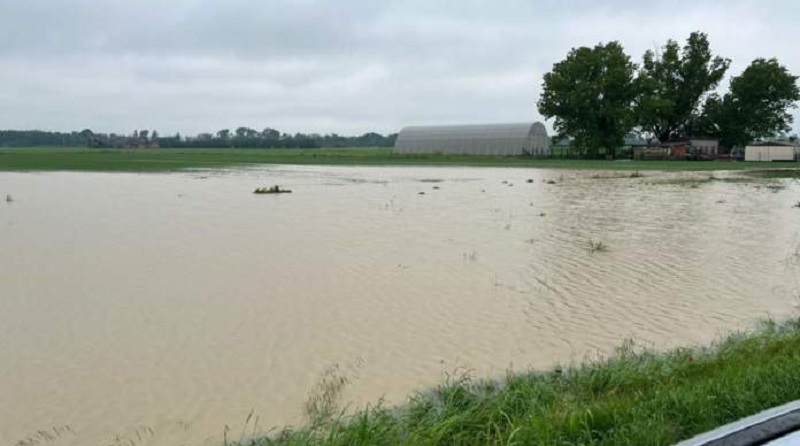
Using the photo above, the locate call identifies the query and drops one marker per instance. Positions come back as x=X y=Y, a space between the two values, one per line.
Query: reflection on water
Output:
x=158 y=308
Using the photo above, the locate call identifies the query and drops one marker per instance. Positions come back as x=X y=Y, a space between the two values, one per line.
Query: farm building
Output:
x=481 y=139
x=772 y=151
x=704 y=146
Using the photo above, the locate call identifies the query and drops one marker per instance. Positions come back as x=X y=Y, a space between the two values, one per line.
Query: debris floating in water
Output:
x=271 y=190
x=530 y=180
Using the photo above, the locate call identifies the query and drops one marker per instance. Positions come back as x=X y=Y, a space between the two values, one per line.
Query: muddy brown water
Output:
x=155 y=309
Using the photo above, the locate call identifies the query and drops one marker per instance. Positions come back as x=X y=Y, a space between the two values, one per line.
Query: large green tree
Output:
x=673 y=85
x=590 y=95
x=756 y=106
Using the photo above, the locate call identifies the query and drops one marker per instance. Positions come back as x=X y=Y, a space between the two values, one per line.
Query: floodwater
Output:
x=156 y=309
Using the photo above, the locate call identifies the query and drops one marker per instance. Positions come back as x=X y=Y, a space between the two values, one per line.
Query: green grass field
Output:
x=634 y=398
x=166 y=160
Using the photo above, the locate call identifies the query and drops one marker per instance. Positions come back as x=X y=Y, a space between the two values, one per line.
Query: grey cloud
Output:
x=325 y=66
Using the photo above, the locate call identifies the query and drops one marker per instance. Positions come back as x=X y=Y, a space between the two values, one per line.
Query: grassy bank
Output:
x=637 y=397
x=166 y=160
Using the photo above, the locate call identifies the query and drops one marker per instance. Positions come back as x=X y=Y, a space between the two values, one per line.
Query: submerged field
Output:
x=165 y=160
x=157 y=309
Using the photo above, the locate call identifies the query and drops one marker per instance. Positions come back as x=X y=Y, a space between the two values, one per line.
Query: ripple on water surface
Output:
x=159 y=308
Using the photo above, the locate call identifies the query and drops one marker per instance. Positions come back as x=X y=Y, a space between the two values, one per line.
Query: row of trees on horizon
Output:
x=598 y=95
x=242 y=137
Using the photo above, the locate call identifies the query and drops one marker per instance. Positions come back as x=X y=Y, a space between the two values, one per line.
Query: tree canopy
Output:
x=596 y=96
x=590 y=95
x=673 y=85
x=756 y=106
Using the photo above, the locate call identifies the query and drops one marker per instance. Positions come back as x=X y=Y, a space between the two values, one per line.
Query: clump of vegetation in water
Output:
x=613 y=176
x=637 y=397
x=697 y=182
x=775 y=187
x=597 y=246
x=470 y=256
x=775 y=173
x=271 y=190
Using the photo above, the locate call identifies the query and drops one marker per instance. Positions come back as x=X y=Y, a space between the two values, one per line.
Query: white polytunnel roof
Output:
x=476 y=139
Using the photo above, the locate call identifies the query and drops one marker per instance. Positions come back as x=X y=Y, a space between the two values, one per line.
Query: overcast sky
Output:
x=347 y=66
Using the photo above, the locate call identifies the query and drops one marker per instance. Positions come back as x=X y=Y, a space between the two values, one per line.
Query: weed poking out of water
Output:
x=635 y=397
x=597 y=246
x=323 y=405
x=271 y=190
x=250 y=417
x=47 y=435
x=637 y=174
x=9 y=199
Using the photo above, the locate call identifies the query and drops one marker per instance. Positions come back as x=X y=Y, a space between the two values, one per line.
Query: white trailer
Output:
x=770 y=153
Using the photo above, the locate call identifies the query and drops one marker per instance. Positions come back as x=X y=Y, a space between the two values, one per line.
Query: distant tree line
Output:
x=241 y=138
x=33 y=138
x=598 y=96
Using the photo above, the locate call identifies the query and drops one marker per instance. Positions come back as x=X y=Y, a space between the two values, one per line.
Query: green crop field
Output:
x=165 y=160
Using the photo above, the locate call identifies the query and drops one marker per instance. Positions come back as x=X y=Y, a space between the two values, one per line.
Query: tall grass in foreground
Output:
x=636 y=397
